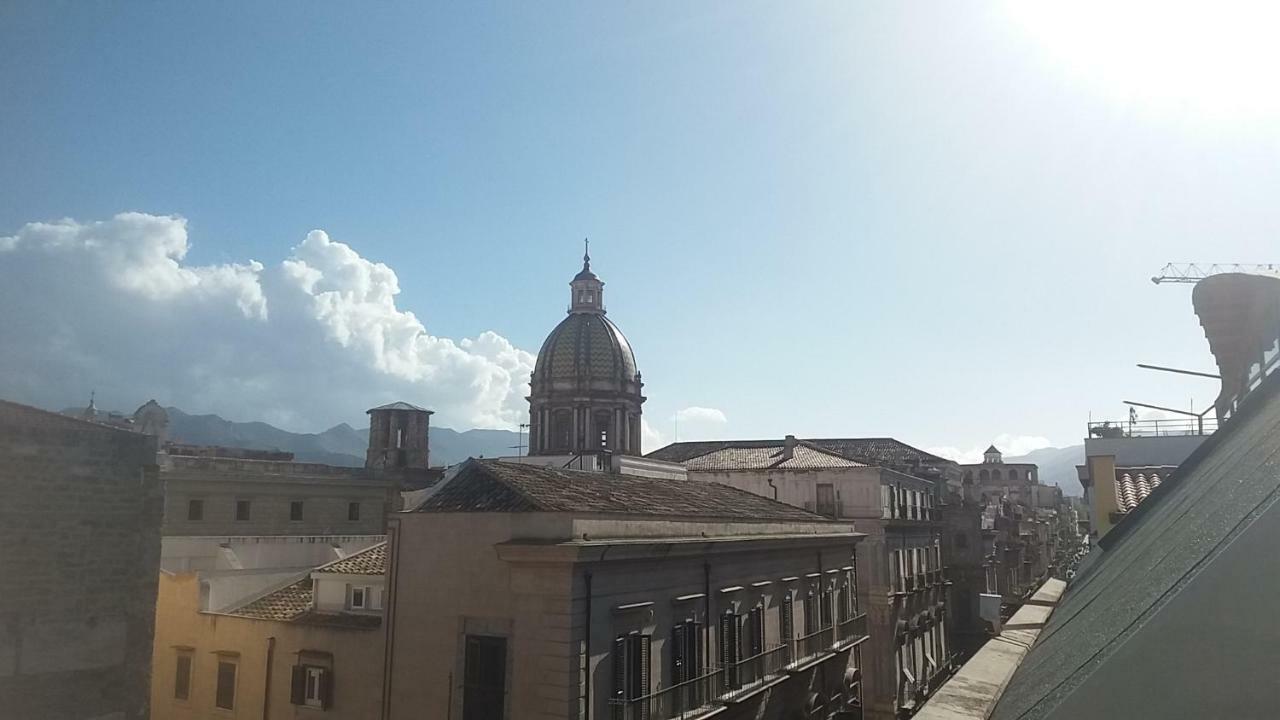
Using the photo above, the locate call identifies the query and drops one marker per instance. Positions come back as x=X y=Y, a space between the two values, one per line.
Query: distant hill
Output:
x=339 y=445
x=1057 y=466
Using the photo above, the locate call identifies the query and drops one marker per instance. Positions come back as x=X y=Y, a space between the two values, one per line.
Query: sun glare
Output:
x=1214 y=61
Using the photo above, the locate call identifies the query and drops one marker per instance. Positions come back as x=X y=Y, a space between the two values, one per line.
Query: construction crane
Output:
x=1195 y=272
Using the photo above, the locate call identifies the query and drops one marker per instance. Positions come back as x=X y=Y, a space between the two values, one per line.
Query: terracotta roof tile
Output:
x=286 y=603
x=498 y=486
x=1134 y=484
x=755 y=457
x=370 y=561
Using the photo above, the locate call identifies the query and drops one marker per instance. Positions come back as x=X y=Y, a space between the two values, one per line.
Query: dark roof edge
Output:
x=72 y=420
x=1251 y=405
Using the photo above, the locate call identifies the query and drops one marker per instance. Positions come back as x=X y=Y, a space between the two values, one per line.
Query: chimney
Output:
x=788 y=447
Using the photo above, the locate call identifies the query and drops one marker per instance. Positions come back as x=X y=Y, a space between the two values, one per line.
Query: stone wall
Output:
x=80 y=532
x=270 y=487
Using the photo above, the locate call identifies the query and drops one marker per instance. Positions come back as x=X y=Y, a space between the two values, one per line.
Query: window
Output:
x=182 y=678
x=484 y=678
x=824 y=608
x=755 y=631
x=226 y=690
x=630 y=671
x=810 y=613
x=353 y=511
x=242 y=510
x=312 y=686
x=295 y=511
x=826 y=499
x=359 y=597
x=730 y=647
x=686 y=664
x=195 y=509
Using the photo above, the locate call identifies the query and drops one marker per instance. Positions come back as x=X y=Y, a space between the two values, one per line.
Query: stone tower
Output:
x=585 y=392
x=398 y=435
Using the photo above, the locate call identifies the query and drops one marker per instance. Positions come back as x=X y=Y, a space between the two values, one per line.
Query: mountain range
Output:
x=345 y=446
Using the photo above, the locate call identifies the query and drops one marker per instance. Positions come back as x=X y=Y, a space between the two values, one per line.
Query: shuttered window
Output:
x=484 y=678
x=312 y=686
x=730 y=647
x=686 y=653
x=226 y=690
x=787 y=624
x=755 y=631
x=631 y=679
x=182 y=677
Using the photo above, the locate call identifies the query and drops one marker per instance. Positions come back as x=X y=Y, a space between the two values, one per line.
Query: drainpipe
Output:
x=266 y=687
x=775 y=487
x=587 y=650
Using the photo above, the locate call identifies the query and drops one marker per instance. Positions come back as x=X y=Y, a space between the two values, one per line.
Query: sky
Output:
x=931 y=221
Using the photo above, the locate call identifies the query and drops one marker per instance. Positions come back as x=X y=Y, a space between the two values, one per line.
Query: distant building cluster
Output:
x=833 y=578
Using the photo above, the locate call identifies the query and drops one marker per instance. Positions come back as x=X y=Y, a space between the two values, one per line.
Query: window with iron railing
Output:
x=631 y=675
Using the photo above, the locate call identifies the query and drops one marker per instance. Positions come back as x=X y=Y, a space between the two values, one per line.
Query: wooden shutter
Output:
x=619 y=675
x=757 y=631
x=326 y=688
x=679 y=661
x=643 y=683
x=787 y=622
x=298 y=686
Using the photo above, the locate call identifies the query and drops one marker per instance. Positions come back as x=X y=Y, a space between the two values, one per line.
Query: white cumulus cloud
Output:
x=1009 y=445
x=112 y=306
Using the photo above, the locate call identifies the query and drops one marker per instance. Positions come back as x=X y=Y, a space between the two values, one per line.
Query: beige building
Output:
x=902 y=572
x=523 y=591
x=80 y=532
x=309 y=647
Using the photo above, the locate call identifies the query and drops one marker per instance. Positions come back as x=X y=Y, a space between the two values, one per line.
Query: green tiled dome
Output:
x=585 y=346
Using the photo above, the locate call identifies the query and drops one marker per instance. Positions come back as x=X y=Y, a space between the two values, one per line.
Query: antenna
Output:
x=519 y=448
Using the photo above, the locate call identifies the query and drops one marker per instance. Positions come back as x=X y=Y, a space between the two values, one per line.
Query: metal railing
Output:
x=681 y=701
x=852 y=629
x=1153 y=427
x=744 y=675
x=815 y=642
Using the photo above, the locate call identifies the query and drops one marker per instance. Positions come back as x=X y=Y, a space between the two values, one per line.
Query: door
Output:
x=485 y=678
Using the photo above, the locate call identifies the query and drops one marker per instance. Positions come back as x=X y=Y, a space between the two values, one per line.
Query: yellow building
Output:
x=308 y=648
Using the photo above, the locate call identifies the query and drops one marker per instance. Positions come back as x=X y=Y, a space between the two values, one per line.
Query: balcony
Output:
x=683 y=701
x=746 y=675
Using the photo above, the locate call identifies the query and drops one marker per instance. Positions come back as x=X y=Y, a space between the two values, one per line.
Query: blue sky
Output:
x=928 y=220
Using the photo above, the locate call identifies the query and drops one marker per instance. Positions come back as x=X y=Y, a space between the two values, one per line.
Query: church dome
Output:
x=585 y=346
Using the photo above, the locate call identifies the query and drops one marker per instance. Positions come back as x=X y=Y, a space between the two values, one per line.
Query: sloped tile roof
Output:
x=370 y=561
x=1134 y=484
x=755 y=457
x=400 y=406
x=284 y=604
x=882 y=452
x=498 y=486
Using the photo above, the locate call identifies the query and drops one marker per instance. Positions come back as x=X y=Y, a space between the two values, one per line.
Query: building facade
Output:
x=585 y=392
x=80 y=506
x=599 y=596
x=903 y=578
x=311 y=646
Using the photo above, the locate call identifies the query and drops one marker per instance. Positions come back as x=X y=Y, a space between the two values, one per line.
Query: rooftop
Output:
x=1189 y=573
x=370 y=561
x=400 y=406
x=497 y=486
x=294 y=601
x=884 y=452
x=769 y=455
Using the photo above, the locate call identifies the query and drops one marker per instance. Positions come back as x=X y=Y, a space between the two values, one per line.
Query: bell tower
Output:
x=398 y=437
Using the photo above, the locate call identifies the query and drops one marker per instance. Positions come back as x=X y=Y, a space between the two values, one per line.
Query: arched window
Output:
x=603 y=422
x=561 y=426
x=983 y=476
x=1013 y=475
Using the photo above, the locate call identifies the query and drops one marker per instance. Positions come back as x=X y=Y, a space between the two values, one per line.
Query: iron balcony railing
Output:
x=852 y=629
x=743 y=676
x=682 y=701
